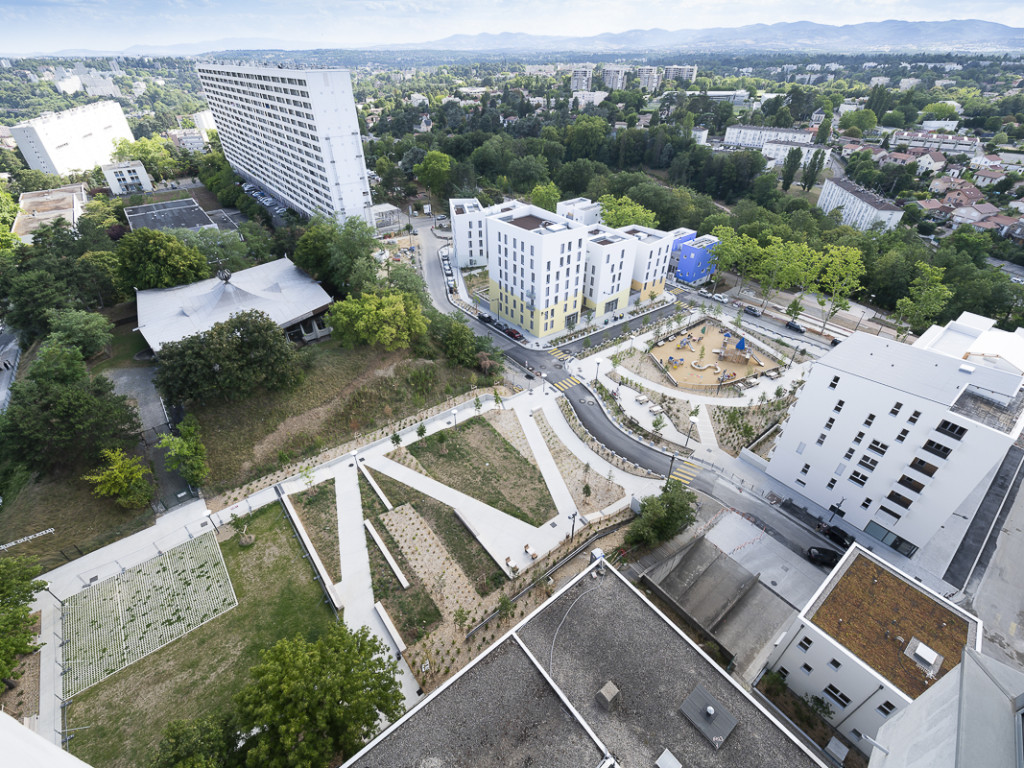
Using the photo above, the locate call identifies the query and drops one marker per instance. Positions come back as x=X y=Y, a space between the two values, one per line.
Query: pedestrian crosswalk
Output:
x=565 y=384
x=675 y=290
x=685 y=472
x=559 y=354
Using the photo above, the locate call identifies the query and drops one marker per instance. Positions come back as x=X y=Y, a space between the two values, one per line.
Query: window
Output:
x=868 y=463
x=831 y=484
x=866 y=503
x=858 y=438
x=800 y=448
x=911 y=483
x=835 y=382
x=805 y=643
x=914 y=417
x=952 y=430
x=877 y=447
x=830 y=423
x=837 y=696
x=821 y=438
x=886 y=708
x=869 y=420
x=895 y=409
x=848 y=455
x=801 y=483
x=883 y=508
x=839 y=406
x=835 y=664
x=938 y=449
x=923 y=467
x=897 y=498
x=805 y=469
x=807 y=669
x=858 y=477
x=783 y=672
x=902 y=435
x=857 y=734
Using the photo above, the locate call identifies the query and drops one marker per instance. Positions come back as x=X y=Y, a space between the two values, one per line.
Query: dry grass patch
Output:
x=475 y=459
x=317 y=508
x=589 y=490
x=199 y=674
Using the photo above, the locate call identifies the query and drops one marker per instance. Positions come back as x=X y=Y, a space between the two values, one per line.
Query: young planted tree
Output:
x=124 y=478
x=839 y=269
x=186 y=453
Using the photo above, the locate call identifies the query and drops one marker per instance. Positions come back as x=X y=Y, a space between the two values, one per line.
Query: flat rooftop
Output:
x=173 y=214
x=529 y=222
x=47 y=205
x=882 y=616
x=531 y=699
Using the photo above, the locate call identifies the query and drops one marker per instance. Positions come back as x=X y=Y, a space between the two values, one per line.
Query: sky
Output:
x=28 y=26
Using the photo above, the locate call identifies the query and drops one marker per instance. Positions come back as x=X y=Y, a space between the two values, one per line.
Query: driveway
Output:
x=137 y=383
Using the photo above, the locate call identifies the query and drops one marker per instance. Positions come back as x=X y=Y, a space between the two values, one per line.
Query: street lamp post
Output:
x=597 y=372
x=543 y=381
x=573 y=518
x=693 y=421
x=672 y=463
x=455 y=416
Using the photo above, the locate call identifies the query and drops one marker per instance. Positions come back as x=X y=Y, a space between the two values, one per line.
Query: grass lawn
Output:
x=477 y=460
x=343 y=392
x=318 y=511
x=126 y=344
x=81 y=522
x=200 y=673
x=478 y=566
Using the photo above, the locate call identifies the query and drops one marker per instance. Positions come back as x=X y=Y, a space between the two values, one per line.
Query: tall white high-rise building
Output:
x=76 y=139
x=581 y=79
x=681 y=72
x=614 y=77
x=649 y=77
x=293 y=132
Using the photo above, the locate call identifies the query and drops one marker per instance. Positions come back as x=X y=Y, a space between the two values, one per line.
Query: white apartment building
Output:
x=192 y=139
x=204 y=121
x=585 y=98
x=861 y=208
x=776 y=151
x=127 y=177
x=608 y=270
x=896 y=438
x=869 y=642
x=581 y=79
x=76 y=139
x=946 y=143
x=650 y=78
x=614 y=77
x=653 y=252
x=757 y=135
x=293 y=132
x=700 y=135
x=686 y=72
x=580 y=209
x=536 y=269
x=469 y=229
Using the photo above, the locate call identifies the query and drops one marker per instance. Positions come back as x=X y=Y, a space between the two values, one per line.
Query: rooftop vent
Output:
x=928 y=659
x=968 y=369
x=608 y=696
x=712 y=719
x=668 y=760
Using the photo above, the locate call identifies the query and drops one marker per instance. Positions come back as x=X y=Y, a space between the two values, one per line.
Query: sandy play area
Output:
x=708 y=354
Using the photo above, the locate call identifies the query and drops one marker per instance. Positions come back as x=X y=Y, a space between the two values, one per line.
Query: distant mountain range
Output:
x=969 y=35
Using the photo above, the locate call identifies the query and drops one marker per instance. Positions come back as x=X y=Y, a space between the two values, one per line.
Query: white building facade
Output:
x=293 y=132
x=649 y=77
x=581 y=79
x=861 y=209
x=895 y=438
x=76 y=139
x=776 y=151
x=686 y=72
x=614 y=77
x=757 y=135
x=838 y=659
x=608 y=272
x=127 y=177
x=469 y=229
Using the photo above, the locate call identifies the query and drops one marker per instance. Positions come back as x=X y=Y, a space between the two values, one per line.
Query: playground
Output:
x=707 y=355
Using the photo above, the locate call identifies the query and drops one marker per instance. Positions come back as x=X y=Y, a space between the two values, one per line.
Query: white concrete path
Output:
x=546 y=462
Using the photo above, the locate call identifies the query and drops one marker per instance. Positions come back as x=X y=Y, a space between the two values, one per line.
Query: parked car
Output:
x=752 y=311
x=837 y=535
x=793 y=325
x=483 y=317
x=823 y=556
x=529 y=376
x=517 y=335
x=836 y=342
x=441 y=217
x=500 y=326
x=705 y=293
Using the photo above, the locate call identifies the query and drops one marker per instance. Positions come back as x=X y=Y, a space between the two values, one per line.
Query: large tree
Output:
x=928 y=297
x=18 y=587
x=388 y=319
x=315 y=704
x=663 y=516
x=339 y=255
x=88 y=331
x=790 y=166
x=149 y=258
x=546 y=196
x=228 y=362
x=186 y=453
x=839 y=270
x=435 y=172
x=124 y=478
x=622 y=211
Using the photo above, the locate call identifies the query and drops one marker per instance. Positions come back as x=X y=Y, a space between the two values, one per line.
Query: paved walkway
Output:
x=546 y=462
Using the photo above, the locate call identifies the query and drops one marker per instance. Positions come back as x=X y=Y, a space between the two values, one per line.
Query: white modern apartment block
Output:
x=580 y=209
x=581 y=79
x=293 y=132
x=869 y=642
x=469 y=229
x=700 y=135
x=591 y=98
x=776 y=151
x=653 y=253
x=896 y=438
x=681 y=72
x=947 y=143
x=861 y=208
x=76 y=139
x=614 y=77
x=536 y=269
x=650 y=78
x=608 y=271
x=127 y=177
x=757 y=135
x=192 y=139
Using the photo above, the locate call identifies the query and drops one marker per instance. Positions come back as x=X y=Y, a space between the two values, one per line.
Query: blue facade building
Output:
x=695 y=260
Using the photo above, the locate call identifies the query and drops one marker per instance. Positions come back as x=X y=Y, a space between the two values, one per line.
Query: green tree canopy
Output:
x=546 y=196
x=622 y=211
x=339 y=255
x=790 y=166
x=149 y=258
x=186 y=453
x=386 y=319
x=435 y=172
x=315 y=704
x=124 y=478
x=230 y=361
x=863 y=120
x=89 y=332
x=663 y=516
x=927 y=298
x=18 y=586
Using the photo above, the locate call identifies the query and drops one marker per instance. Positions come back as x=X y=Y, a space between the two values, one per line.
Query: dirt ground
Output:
x=689 y=367
x=577 y=475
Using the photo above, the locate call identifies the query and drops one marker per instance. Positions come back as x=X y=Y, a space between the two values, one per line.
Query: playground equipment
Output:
x=704 y=367
x=756 y=360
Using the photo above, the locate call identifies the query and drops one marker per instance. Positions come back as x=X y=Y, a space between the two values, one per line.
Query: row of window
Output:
x=885 y=709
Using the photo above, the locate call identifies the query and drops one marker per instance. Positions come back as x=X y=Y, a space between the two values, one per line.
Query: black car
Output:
x=823 y=556
x=483 y=317
x=793 y=325
x=837 y=535
x=836 y=342
x=752 y=311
